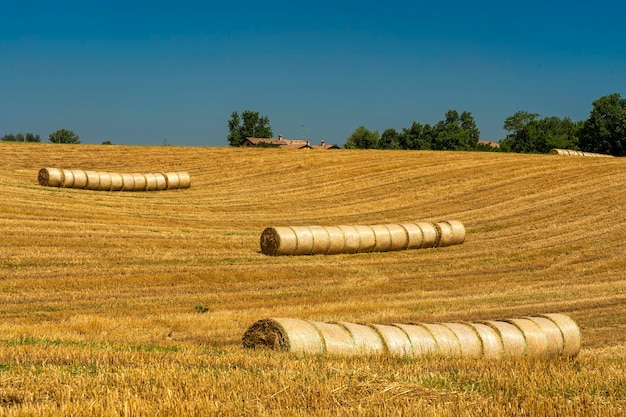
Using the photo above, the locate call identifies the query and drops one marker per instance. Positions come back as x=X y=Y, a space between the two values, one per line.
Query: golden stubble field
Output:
x=102 y=293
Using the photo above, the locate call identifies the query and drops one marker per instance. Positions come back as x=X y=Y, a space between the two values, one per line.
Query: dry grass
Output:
x=102 y=294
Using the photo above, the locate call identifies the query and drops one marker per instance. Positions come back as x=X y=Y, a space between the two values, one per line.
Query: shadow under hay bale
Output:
x=544 y=336
x=109 y=181
x=347 y=239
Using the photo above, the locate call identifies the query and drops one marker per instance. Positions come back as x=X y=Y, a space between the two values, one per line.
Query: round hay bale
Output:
x=93 y=180
x=552 y=333
x=184 y=180
x=104 y=184
x=367 y=238
x=399 y=237
x=471 y=347
x=352 y=239
x=50 y=177
x=570 y=332
x=536 y=342
x=422 y=342
x=382 y=238
x=68 y=178
x=278 y=241
x=415 y=236
x=513 y=341
x=554 y=152
x=172 y=180
x=161 y=181
x=430 y=235
x=151 y=182
x=446 y=234
x=286 y=334
x=366 y=340
x=447 y=342
x=490 y=340
x=80 y=178
x=394 y=338
x=337 y=340
x=337 y=240
x=117 y=182
x=139 y=182
x=128 y=182
x=321 y=240
x=458 y=232
x=304 y=240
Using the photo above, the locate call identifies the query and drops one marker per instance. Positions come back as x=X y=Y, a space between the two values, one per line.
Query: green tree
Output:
x=390 y=139
x=30 y=137
x=469 y=125
x=362 y=138
x=64 y=136
x=517 y=138
x=527 y=133
x=21 y=137
x=605 y=129
x=417 y=137
x=456 y=132
x=248 y=125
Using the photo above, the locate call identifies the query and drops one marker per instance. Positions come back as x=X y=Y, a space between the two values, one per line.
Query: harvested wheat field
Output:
x=135 y=303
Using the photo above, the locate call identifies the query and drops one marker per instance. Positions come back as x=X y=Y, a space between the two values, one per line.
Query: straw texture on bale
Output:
x=469 y=341
x=110 y=181
x=347 y=239
x=544 y=336
x=569 y=331
x=366 y=340
x=571 y=152
x=395 y=339
x=513 y=342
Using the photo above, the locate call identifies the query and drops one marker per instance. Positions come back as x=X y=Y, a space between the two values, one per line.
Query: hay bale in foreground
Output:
x=328 y=240
x=110 y=181
x=544 y=336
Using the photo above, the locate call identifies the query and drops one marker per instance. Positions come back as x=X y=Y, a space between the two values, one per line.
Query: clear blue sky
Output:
x=139 y=72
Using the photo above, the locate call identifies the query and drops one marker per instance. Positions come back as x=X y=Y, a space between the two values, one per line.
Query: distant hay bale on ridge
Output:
x=111 y=181
x=570 y=152
x=327 y=240
x=543 y=336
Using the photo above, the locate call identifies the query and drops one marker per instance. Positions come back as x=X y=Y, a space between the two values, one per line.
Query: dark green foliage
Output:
x=456 y=132
x=21 y=137
x=389 y=140
x=248 y=125
x=527 y=133
x=362 y=138
x=417 y=136
x=605 y=129
x=64 y=136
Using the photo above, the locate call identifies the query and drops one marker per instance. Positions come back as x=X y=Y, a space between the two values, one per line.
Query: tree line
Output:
x=58 y=136
x=604 y=131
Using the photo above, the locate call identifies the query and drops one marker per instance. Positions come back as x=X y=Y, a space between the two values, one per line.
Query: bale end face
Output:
x=50 y=177
x=270 y=241
x=265 y=334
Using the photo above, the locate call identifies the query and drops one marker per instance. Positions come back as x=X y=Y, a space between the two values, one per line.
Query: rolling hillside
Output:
x=82 y=268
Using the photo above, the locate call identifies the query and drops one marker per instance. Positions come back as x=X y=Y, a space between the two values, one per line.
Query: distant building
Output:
x=285 y=143
x=488 y=143
x=325 y=145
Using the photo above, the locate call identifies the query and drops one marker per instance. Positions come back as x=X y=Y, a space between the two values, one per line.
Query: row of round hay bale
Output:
x=111 y=181
x=571 y=152
x=328 y=240
x=542 y=336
